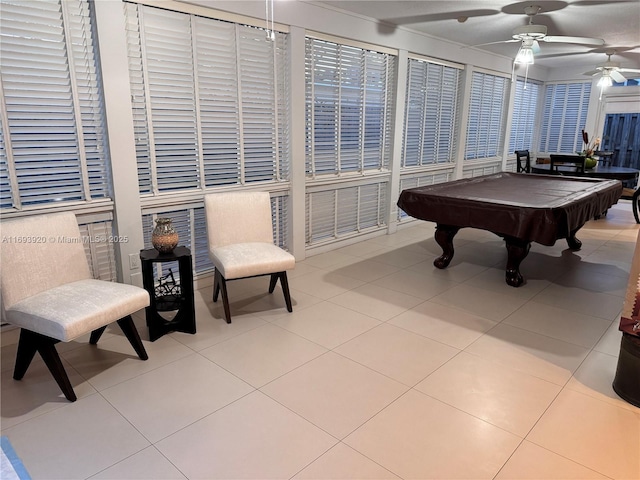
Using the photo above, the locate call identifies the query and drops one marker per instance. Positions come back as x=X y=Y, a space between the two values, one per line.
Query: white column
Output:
x=298 y=175
x=398 y=131
x=507 y=125
x=110 y=24
x=465 y=95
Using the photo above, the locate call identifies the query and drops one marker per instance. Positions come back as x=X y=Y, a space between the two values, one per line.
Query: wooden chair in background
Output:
x=558 y=160
x=523 y=160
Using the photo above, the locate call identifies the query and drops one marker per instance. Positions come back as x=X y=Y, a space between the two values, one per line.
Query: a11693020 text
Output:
x=41 y=239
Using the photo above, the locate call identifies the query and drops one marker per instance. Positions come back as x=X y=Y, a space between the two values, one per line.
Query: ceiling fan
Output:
x=531 y=34
x=611 y=71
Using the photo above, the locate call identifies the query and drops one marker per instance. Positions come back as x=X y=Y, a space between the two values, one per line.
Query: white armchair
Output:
x=48 y=292
x=240 y=236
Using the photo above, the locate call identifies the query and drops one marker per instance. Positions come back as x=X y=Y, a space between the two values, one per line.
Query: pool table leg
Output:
x=444 y=236
x=573 y=242
x=517 y=250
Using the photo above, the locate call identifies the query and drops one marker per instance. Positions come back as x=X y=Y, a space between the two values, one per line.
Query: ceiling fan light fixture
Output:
x=605 y=81
x=524 y=56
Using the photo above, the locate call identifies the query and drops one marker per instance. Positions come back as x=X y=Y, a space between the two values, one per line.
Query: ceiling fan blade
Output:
x=617 y=76
x=462 y=16
x=491 y=43
x=630 y=70
x=565 y=54
x=566 y=39
x=591 y=73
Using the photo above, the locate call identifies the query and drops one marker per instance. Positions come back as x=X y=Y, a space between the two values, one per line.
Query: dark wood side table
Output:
x=169 y=296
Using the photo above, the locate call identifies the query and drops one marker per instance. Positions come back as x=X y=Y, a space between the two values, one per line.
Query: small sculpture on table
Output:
x=588 y=151
x=167 y=293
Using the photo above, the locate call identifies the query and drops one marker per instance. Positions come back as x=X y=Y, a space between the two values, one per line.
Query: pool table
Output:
x=522 y=208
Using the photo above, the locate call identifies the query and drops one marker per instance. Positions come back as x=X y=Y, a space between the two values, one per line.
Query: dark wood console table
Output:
x=169 y=296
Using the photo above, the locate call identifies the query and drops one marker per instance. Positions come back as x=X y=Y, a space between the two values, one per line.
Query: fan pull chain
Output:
x=268 y=17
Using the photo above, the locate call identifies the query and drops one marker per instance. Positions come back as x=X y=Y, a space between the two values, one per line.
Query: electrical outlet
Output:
x=134 y=261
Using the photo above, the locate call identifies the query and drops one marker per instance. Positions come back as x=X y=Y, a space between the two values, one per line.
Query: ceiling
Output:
x=473 y=22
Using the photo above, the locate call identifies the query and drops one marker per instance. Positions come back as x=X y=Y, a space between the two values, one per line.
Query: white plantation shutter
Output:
x=485 y=125
x=377 y=122
x=280 y=216
x=564 y=117
x=169 y=100
x=345 y=212
x=52 y=122
x=219 y=109
x=523 y=121
x=322 y=107
x=431 y=105
x=172 y=100
x=5 y=188
x=138 y=100
x=210 y=101
x=348 y=108
x=99 y=249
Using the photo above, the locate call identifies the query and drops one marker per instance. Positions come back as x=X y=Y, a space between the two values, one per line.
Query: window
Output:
x=431 y=106
x=348 y=108
x=564 y=116
x=53 y=147
x=485 y=125
x=523 y=121
x=210 y=101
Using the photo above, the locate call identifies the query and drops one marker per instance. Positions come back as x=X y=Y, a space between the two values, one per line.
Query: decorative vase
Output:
x=590 y=162
x=164 y=237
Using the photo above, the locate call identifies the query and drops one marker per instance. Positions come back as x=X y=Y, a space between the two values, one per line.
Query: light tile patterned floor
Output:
x=387 y=368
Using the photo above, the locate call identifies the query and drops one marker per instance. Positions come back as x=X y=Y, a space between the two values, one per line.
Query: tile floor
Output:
x=387 y=368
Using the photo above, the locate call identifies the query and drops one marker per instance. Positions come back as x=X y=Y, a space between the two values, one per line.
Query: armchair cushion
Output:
x=248 y=259
x=71 y=310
